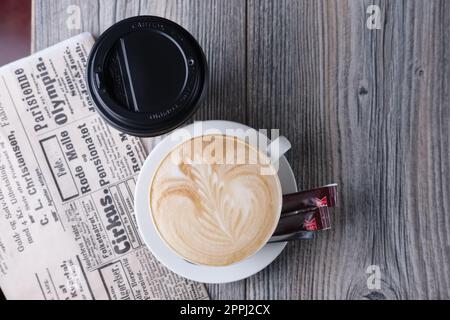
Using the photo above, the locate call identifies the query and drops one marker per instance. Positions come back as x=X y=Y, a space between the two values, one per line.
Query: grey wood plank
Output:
x=219 y=26
x=368 y=109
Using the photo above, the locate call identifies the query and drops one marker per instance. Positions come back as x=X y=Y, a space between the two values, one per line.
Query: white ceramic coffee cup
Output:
x=274 y=149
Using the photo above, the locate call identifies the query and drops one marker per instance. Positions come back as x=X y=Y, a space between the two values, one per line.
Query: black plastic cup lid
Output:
x=146 y=75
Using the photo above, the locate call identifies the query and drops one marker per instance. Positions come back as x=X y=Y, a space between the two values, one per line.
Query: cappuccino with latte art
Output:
x=211 y=204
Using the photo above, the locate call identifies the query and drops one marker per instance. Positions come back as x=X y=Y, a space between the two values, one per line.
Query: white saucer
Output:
x=166 y=256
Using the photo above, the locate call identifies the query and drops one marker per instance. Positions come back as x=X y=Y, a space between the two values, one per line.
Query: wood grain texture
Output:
x=368 y=109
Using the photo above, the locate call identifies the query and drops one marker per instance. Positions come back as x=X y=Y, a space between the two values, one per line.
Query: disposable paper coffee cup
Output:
x=146 y=75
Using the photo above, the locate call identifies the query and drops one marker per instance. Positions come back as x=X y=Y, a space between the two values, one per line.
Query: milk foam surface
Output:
x=211 y=212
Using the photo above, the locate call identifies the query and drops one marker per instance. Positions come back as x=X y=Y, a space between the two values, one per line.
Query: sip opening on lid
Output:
x=146 y=75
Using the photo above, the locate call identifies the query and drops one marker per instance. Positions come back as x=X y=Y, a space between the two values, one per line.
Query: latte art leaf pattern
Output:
x=211 y=213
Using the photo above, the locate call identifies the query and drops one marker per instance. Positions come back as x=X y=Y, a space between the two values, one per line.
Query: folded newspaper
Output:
x=67 y=226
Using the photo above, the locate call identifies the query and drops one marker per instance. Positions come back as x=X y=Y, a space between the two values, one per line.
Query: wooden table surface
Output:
x=366 y=108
